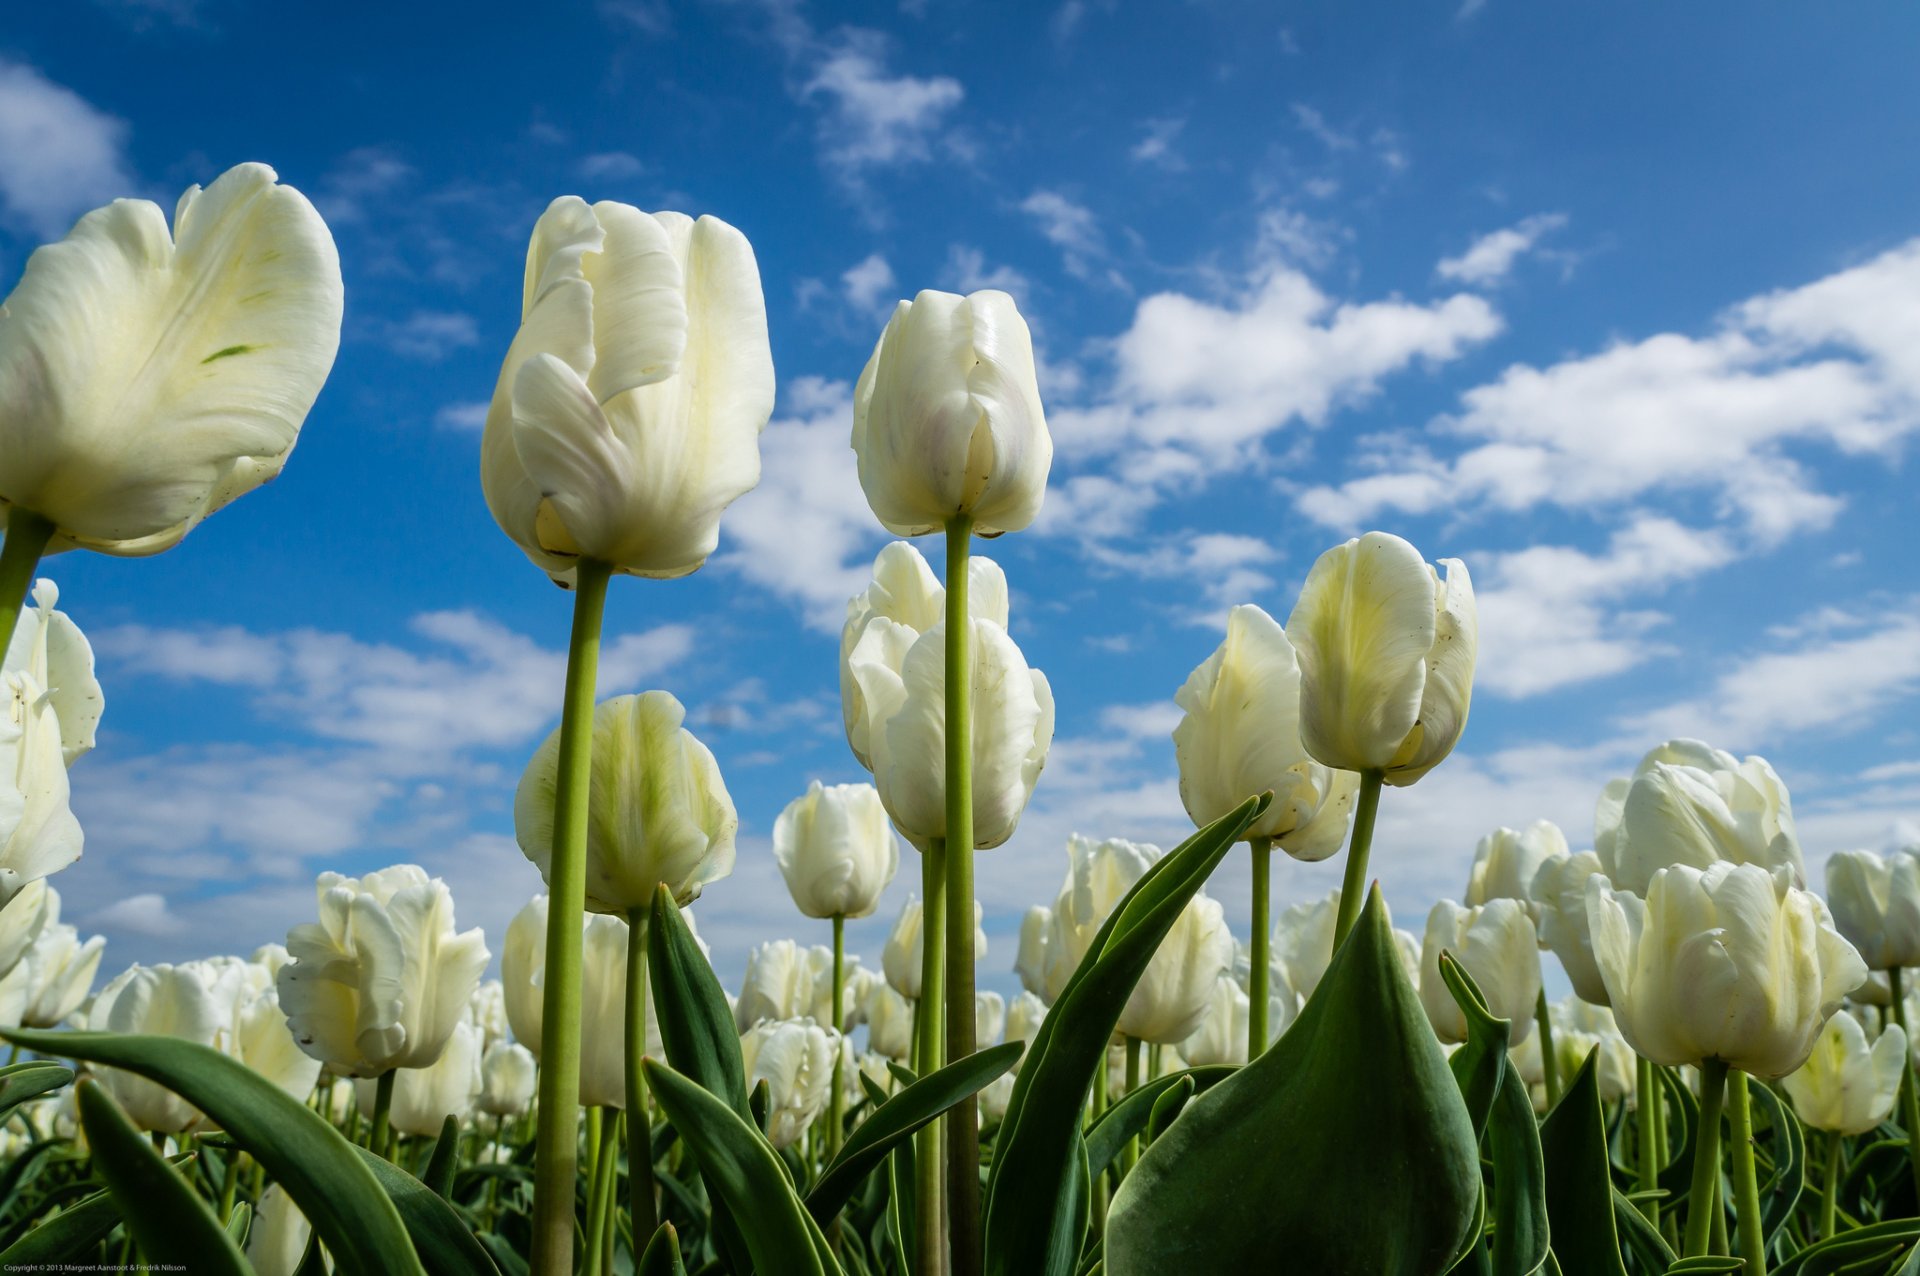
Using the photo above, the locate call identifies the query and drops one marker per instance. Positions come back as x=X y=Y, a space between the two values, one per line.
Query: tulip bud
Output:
x=1876 y=905
x=1030 y=962
x=658 y=812
x=1386 y=650
x=1559 y=894
x=628 y=411
x=423 y=1098
x=603 y=1013
x=381 y=980
x=1505 y=861
x=507 y=1076
x=900 y=959
x=947 y=418
x=836 y=850
x=889 y=1023
x=1844 y=1085
x=778 y=984
x=1732 y=963
x=1099 y=874
x=1240 y=737
x=1688 y=803
x=1496 y=944
x=150 y=378
x=795 y=1058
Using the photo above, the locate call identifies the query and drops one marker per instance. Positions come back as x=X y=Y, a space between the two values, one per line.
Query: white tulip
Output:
x=277 y=1241
x=900 y=958
x=39 y=833
x=1505 y=861
x=836 y=850
x=1689 y=803
x=1386 y=650
x=1579 y=1028
x=487 y=1011
x=507 y=1075
x=658 y=812
x=1099 y=874
x=53 y=975
x=1030 y=960
x=1559 y=894
x=1172 y=997
x=1876 y=905
x=47 y=644
x=31 y=910
x=989 y=1017
x=381 y=980
x=1496 y=944
x=779 y=983
x=1025 y=1013
x=162 y=1001
x=889 y=1023
x=628 y=411
x=423 y=1098
x=1845 y=1085
x=148 y=378
x=603 y=1013
x=1303 y=942
x=947 y=418
x=1732 y=963
x=1221 y=1037
x=523 y=972
x=1240 y=737
x=263 y=1040
x=795 y=1058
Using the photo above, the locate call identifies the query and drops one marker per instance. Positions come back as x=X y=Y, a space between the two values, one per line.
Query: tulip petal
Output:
x=639 y=306
x=572 y=457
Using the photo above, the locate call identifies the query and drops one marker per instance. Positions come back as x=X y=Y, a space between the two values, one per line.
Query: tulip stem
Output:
x=1746 y=1182
x=1830 y=1186
x=1130 y=1152
x=929 y=1168
x=556 y=1164
x=1648 y=1116
x=1706 y=1157
x=27 y=537
x=1909 y=1098
x=1258 y=973
x=382 y=1126
x=963 y=1128
x=1549 y=1066
x=1353 y=885
x=837 y=1105
x=1097 y=1107
x=639 y=1126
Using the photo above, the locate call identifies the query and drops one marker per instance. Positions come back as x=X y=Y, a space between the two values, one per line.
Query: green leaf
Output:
x=1347 y=1143
x=1520 y=1222
x=65 y=1237
x=173 y=1225
x=238 y=1223
x=440 y=1166
x=319 y=1169
x=1032 y=1210
x=1579 y=1185
x=1705 y=1265
x=897 y=1119
x=696 y=1028
x=1639 y=1237
x=1134 y=1111
x=1167 y=1108
x=22 y=1081
x=662 y=1257
x=1780 y=1194
x=446 y=1245
x=742 y=1170
x=1480 y=1064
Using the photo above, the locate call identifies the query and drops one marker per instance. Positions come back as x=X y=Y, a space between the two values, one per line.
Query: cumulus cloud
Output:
x=1490 y=258
x=59 y=154
x=869 y=283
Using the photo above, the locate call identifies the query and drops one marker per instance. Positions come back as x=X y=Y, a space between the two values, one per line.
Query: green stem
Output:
x=1097 y=1108
x=1549 y=1066
x=1830 y=1187
x=229 y=1183
x=837 y=1104
x=380 y=1143
x=929 y=1166
x=1746 y=1182
x=1259 y=974
x=1646 y=1103
x=1706 y=1157
x=1909 y=1097
x=27 y=537
x=556 y=1154
x=639 y=1125
x=963 y=1123
x=603 y=1144
x=1353 y=885
x=1130 y=1154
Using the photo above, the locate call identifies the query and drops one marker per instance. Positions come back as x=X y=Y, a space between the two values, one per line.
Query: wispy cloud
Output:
x=59 y=154
x=1490 y=258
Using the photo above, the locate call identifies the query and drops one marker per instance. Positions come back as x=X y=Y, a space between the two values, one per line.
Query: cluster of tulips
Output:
x=1332 y=1095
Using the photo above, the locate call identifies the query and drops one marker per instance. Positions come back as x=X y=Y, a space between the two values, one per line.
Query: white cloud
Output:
x=142 y=914
x=1490 y=258
x=869 y=283
x=611 y=166
x=59 y=154
x=1071 y=227
x=360 y=177
x=429 y=335
x=1314 y=123
x=1156 y=147
x=462 y=416
x=874 y=116
x=649 y=17
x=966 y=270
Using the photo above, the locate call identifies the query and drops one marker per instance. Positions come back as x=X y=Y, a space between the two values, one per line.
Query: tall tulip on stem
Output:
x=963 y=1130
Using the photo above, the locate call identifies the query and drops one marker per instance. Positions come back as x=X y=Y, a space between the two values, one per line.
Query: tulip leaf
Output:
x=1167 y=1108
x=172 y=1224
x=440 y=1166
x=22 y=1081
x=1033 y=1187
x=1683 y=1115
x=1520 y=1220
x=1479 y=1065
x=741 y=1170
x=898 y=1118
x=65 y=1237
x=1579 y=1183
x=1347 y=1141
x=696 y=1028
x=662 y=1256
x=1781 y=1192
x=1638 y=1236
x=1134 y=1111
x=238 y=1223
x=447 y=1246
x=1706 y=1265
x=318 y=1167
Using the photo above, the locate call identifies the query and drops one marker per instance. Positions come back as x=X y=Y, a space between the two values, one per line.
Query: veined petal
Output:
x=573 y=457
x=1011 y=452
x=639 y=302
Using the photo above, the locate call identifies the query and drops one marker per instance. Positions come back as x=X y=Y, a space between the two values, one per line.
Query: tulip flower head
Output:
x=1030 y=961
x=900 y=958
x=836 y=850
x=795 y=1058
x=148 y=378
x=1559 y=894
x=1579 y=1028
x=50 y=704
x=1496 y=944
x=1240 y=737
x=1689 y=803
x=1505 y=861
x=1876 y=905
x=628 y=411
x=1846 y=1085
x=507 y=1074
x=1386 y=649
x=658 y=812
x=423 y=1098
x=947 y=421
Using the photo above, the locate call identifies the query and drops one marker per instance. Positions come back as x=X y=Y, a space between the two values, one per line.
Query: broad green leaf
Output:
x=22 y=1081
x=1520 y=1225
x=319 y=1169
x=447 y=1246
x=503 y=1252
x=1874 y=1248
x=65 y=1237
x=1480 y=1064
x=1134 y=1112
x=1345 y=1149
x=446 y=1152
x=1579 y=1184
x=741 y=1170
x=662 y=1256
x=897 y=1119
x=172 y=1224
x=1032 y=1209
x=696 y=1028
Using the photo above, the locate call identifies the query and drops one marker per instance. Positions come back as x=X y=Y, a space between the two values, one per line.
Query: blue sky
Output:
x=1618 y=303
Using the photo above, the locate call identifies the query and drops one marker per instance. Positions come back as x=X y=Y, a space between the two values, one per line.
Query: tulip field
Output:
x=1729 y=1086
